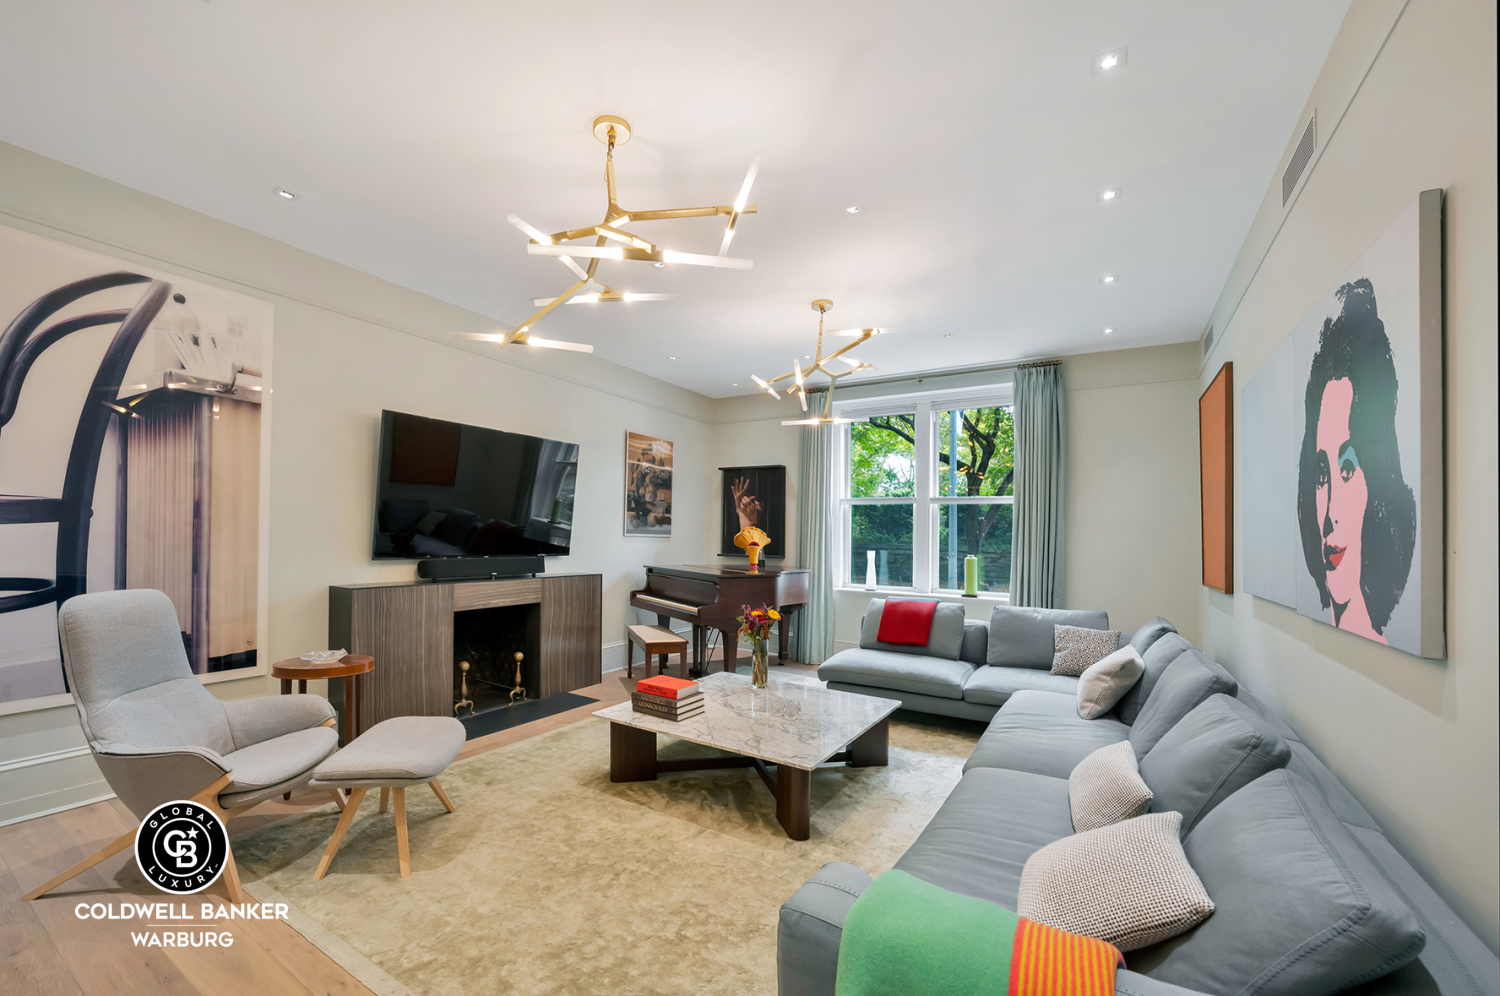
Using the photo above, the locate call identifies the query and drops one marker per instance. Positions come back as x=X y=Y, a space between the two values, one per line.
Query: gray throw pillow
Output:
x=1106 y=681
x=1187 y=681
x=1024 y=637
x=1301 y=907
x=1156 y=657
x=944 y=640
x=1150 y=633
x=1106 y=787
x=1076 y=649
x=976 y=642
x=1217 y=749
x=1129 y=883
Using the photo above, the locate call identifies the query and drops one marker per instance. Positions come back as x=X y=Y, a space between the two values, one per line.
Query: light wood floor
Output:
x=46 y=950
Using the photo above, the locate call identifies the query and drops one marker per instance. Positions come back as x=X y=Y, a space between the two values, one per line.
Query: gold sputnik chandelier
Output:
x=612 y=241
x=799 y=373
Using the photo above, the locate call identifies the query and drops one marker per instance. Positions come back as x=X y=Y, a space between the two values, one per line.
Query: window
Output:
x=926 y=481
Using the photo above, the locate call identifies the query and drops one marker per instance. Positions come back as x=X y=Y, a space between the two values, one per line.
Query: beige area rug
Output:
x=550 y=879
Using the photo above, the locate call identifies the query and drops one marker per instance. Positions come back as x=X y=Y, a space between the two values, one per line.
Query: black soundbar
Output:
x=479 y=568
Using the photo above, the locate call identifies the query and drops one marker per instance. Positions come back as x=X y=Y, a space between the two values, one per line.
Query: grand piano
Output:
x=711 y=598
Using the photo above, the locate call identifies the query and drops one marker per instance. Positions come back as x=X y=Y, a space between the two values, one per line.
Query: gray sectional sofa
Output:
x=1310 y=896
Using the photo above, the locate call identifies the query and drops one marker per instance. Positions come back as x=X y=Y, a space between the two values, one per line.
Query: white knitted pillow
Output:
x=1128 y=883
x=1106 y=681
x=1075 y=647
x=1106 y=787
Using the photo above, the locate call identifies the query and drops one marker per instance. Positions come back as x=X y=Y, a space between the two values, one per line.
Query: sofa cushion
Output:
x=1024 y=637
x=1105 y=682
x=1214 y=751
x=1106 y=787
x=1041 y=732
x=1301 y=908
x=1148 y=634
x=1128 y=883
x=1077 y=648
x=994 y=685
x=943 y=679
x=976 y=643
x=1187 y=681
x=982 y=835
x=944 y=641
x=1156 y=658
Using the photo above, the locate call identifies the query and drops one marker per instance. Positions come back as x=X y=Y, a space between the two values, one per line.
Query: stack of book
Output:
x=667 y=698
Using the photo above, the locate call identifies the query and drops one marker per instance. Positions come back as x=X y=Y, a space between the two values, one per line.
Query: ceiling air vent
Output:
x=1300 y=158
x=1208 y=340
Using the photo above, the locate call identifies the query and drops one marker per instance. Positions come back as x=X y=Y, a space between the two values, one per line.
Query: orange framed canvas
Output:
x=1216 y=471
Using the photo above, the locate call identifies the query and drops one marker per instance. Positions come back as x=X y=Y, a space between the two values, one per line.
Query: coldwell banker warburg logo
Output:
x=181 y=847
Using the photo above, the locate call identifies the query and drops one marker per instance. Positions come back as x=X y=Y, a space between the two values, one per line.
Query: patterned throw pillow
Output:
x=1075 y=648
x=1104 y=683
x=1128 y=883
x=1106 y=787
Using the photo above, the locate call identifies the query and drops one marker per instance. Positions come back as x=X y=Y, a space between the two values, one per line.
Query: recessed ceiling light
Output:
x=805 y=356
x=1112 y=194
x=1108 y=331
x=947 y=335
x=671 y=357
x=1108 y=278
x=284 y=194
x=658 y=265
x=853 y=209
x=1109 y=61
x=735 y=384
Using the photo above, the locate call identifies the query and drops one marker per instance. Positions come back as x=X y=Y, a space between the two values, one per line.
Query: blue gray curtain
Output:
x=812 y=630
x=1036 y=540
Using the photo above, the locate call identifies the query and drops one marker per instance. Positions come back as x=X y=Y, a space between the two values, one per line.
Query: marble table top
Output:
x=794 y=721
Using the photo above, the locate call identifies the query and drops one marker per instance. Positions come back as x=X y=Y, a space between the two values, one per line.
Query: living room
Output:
x=1077 y=250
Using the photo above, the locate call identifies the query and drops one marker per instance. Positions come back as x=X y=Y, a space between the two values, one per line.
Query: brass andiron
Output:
x=465 y=701
x=518 y=694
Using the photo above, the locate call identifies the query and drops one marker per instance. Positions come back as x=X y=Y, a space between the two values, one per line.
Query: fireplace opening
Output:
x=489 y=639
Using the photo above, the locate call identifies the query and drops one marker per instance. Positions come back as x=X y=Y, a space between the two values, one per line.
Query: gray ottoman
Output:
x=407 y=750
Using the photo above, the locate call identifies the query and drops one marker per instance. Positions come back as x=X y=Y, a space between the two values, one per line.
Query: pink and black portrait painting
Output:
x=1341 y=449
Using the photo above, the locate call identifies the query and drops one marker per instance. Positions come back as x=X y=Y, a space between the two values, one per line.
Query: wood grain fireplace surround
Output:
x=408 y=627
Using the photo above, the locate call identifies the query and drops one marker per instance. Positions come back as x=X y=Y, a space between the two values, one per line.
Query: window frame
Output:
x=926 y=502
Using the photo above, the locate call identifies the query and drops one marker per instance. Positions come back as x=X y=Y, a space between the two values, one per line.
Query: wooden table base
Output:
x=632 y=758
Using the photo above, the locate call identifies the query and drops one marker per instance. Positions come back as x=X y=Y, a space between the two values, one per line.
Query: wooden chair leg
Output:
x=338 y=799
x=403 y=851
x=231 y=878
x=442 y=796
x=109 y=850
x=338 y=832
x=385 y=799
x=629 y=656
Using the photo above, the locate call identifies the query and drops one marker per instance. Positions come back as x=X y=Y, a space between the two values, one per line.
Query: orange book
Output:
x=667 y=688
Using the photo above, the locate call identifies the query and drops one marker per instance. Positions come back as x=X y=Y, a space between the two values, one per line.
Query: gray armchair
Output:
x=159 y=735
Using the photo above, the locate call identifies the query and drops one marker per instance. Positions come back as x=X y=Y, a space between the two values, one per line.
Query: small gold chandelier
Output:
x=612 y=241
x=799 y=373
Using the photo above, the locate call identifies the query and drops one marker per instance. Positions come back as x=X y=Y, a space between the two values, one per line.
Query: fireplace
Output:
x=488 y=639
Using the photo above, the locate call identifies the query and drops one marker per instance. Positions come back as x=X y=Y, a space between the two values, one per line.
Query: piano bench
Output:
x=653 y=640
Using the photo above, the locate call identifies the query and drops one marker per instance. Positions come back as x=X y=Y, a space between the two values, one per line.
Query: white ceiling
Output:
x=972 y=134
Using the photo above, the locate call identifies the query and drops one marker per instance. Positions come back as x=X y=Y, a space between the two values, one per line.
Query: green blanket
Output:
x=907 y=937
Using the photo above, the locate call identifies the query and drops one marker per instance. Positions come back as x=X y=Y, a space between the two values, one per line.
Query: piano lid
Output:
x=715 y=573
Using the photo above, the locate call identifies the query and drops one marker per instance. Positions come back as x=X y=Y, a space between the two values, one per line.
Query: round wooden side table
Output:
x=351 y=666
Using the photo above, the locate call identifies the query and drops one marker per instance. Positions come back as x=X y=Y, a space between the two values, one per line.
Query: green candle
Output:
x=971 y=575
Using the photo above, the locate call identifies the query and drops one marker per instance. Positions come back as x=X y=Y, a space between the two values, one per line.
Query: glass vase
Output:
x=759 y=674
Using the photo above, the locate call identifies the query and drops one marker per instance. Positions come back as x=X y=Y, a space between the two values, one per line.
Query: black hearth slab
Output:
x=504 y=718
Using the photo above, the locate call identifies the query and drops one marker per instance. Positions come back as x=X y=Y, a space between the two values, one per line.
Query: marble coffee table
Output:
x=792 y=726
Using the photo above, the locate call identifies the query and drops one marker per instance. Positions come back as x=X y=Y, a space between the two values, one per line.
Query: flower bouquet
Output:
x=755 y=625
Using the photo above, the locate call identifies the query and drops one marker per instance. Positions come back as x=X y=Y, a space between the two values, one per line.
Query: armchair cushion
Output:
x=274 y=761
x=252 y=721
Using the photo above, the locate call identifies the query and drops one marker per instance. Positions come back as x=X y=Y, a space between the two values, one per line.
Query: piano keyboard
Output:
x=683 y=607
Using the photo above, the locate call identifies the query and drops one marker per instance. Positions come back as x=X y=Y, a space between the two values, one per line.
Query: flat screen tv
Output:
x=445 y=489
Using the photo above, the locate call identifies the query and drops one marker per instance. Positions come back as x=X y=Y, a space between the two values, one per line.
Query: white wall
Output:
x=1415 y=740
x=347 y=345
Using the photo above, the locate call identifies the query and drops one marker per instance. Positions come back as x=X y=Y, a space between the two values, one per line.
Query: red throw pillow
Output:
x=906 y=623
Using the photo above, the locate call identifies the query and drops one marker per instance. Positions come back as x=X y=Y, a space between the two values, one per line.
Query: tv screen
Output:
x=451 y=490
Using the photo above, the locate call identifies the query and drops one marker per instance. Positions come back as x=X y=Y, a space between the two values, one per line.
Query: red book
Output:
x=907 y=623
x=666 y=687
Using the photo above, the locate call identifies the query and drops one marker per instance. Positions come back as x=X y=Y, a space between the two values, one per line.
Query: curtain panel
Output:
x=1036 y=541
x=812 y=633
